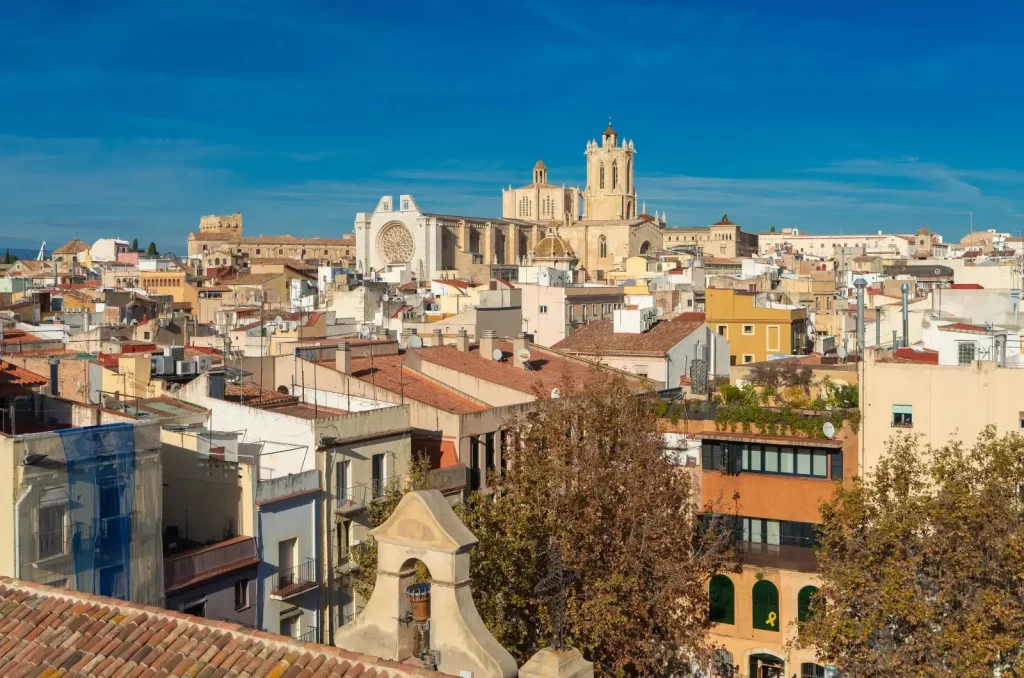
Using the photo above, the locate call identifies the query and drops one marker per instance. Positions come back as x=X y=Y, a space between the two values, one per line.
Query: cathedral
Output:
x=609 y=229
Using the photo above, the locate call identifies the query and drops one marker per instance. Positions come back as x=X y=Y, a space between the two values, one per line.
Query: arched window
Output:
x=524 y=207
x=722 y=596
x=216 y=262
x=602 y=175
x=603 y=246
x=645 y=247
x=628 y=176
x=803 y=603
x=615 y=173
x=765 y=599
x=808 y=670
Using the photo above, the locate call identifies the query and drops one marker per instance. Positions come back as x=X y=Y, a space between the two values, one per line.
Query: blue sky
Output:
x=134 y=118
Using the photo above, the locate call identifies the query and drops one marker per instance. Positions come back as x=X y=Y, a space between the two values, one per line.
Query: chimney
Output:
x=343 y=359
x=905 y=288
x=520 y=343
x=438 y=338
x=54 y=374
x=406 y=333
x=462 y=340
x=488 y=342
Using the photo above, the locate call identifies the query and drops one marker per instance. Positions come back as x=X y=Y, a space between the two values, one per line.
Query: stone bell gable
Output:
x=424 y=529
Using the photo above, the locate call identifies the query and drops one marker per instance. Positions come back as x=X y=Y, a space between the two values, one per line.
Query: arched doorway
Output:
x=765 y=665
x=645 y=247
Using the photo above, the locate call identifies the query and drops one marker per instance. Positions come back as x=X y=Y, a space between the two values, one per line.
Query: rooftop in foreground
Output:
x=49 y=631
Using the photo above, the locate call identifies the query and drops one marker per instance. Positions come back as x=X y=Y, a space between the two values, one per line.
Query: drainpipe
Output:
x=17 y=530
x=906 y=319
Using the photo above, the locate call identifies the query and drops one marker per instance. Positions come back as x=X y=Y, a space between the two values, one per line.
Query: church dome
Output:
x=553 y=247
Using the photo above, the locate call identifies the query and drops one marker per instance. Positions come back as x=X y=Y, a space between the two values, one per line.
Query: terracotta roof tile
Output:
x=46 y=631
x=600 y=338
x=917 y=355
x=73 y=247
x=387 y=373
x=548 y=369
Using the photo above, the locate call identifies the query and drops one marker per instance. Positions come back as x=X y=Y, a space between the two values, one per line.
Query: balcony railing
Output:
x=188 y=568
x=52 y=543
x=294 y=580
x=354 y=499
x=782 y=557
x=310 y=636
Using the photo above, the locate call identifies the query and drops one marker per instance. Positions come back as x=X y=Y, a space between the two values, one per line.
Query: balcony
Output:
x=190 y=568
x=292 y=581
x=352 y=500
x=782 y=557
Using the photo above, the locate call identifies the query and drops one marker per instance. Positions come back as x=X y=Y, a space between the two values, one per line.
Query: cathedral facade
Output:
x=609 y=229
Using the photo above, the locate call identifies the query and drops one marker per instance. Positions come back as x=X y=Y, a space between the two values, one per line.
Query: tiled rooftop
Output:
x=46 y=631
x=548 y=369
x=387 y=373
x=599 y=337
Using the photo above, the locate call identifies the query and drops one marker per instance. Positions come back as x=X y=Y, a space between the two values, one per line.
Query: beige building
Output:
x=541 y=201
x=721 y=239
x=892 y=246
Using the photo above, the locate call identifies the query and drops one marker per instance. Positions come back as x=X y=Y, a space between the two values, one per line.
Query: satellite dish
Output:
x=523 y=355
x=938 y=271
x=661 y=311
x=402 y=346
x=842 y=352
x=829 y=430
x=415 y=342
x=556 y=393
x=373 y=337
x=363 y=332
x=278 y=320
x=497 y=355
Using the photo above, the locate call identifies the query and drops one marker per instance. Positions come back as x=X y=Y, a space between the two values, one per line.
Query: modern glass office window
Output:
x=812 y=462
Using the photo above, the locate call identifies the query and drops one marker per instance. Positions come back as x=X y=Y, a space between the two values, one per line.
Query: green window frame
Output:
x=803 y=603
x=765 y=600
x=722 y=596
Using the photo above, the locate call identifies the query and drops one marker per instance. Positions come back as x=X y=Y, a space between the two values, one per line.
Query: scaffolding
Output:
x=90 y=511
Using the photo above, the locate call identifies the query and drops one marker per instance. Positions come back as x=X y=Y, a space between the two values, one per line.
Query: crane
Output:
x=42 y=251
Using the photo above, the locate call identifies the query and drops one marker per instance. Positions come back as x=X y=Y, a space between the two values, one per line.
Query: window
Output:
x=489 y=450
x=724 y=666
x=722 y=598
x=837 y=464
x=145 y=335
x=640 y=370
x=808 y=670
x=257 y=250
x=290 y=625
x=748 y=358
x=903 y=416
x=405 y=206
x=52 y=529
x=602 y=176
x=689 y=302
x=803 y=602
x=723 y=330
x=765 y=599
x=748 y=329
x=965 y=352
x=344 y=480
x=378 y=474
x=615 y=174
x=241 y=594
x=602 y=245
x=732 y=360
x=543 y=309
x=801 y=461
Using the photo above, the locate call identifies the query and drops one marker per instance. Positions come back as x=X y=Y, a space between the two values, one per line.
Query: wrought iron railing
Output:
x=310 y=636
x=295 y=579
x=186 y=567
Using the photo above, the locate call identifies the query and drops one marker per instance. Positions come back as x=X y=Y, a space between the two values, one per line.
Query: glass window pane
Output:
x=773 y=532
x=746 y=529
x=771 y=459
x=746 y=456
x=786 y=460
x=803 y=463
x=755 y=458
x=819 y=464
x=755 y=530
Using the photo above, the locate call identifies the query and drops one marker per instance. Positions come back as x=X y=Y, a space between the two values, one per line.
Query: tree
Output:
x=922 y=564
x=151 y=250
x=135 y=244
x=773 y=229
x=588 y=471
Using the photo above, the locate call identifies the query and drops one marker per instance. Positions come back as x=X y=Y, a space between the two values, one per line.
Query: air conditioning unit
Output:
x=161 y=364
x=203 y=363
x=186 y=367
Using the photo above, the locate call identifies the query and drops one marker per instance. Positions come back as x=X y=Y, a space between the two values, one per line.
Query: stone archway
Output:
x=645 y=247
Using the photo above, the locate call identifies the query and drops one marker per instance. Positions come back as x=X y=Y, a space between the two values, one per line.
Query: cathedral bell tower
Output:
x=610 y=194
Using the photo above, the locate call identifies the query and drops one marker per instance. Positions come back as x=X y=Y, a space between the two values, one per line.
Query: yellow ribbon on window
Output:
x=771 y=619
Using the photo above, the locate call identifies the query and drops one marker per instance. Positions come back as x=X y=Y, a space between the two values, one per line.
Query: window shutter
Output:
x=722 y=600
x=803 y=602
x=766 y=606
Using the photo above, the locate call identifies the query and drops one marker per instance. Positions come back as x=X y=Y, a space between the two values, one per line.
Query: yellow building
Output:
x=173 y=283
x=755 y=326
x=74 y=251
x=132 y=378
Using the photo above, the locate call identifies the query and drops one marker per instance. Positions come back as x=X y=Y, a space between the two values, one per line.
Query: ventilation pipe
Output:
x=906 y=316
x=860 y=284
x=54 y=373
x=18 y=508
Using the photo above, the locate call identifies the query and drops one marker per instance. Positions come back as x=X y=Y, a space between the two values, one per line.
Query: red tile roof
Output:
x=964 y=327
x=73 y=247
x=387 y=373
x=250 y=392
x=966 y=286
x=600 y=338
x=16 y=381
x=917 y=355
x=49 y=631
x=460 y=284
x=724 y=222
x=548 y=369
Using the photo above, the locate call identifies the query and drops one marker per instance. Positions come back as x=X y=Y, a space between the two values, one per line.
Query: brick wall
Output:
x=71 y=376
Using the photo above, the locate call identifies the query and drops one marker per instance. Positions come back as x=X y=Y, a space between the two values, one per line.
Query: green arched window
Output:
x=722 y=600
x=766 y=606
x=803 y=603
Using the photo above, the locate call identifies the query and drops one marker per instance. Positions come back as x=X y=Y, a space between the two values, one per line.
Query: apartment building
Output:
x=756 y=326
x=721 y=239
x=551 y=313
